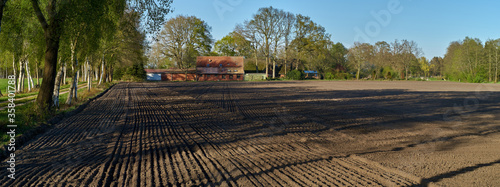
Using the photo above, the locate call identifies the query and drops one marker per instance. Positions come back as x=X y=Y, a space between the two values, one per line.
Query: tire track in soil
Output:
x=53 y=154
x=201 y=135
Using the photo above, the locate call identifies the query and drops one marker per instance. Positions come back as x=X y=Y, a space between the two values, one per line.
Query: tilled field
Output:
x=271 y=134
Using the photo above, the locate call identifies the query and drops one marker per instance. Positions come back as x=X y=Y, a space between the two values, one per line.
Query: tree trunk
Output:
x=52 y=34
x=84 y=71
x=406 y=75
x=81 y=73
x=102 y=71
x=89 y=77
x=489 y=69
x=267 y=66
x=20 y=82
x=14 y=65
x=96 y=72
x=57 y=86
x=358 y=72
x=75 y=94
x=256 y=62
x=37 y=75
x=105 y=72
x=274 y=59
x=286 y=60
x=30 y=80
x=496 y=69
x=64 y=72
x=274 y=68
x=111 y=74
x=74 y=81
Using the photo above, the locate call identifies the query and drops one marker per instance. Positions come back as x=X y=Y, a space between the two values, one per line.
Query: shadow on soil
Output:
x=271 y=112
x=283 y=110
x=451 y=174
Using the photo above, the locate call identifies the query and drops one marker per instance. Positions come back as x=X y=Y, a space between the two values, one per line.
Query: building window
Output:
x=223 y=76
x=235 y=70
x=228 y=70
x=231 y=77
x=238 y=76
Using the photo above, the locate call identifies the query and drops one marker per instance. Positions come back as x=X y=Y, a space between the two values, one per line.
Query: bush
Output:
x=329 y=76
x=345 y=76
x=295 y=75
x=389 y=75
x=118 y=73
x=133 y=73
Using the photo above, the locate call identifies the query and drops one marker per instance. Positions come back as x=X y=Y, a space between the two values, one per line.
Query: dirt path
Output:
x=258 y=134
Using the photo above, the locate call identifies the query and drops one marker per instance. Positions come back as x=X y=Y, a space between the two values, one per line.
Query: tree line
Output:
x=275 y=42
x=65 y=41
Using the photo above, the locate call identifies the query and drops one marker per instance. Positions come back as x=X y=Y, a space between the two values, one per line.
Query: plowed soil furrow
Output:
x=198 y=134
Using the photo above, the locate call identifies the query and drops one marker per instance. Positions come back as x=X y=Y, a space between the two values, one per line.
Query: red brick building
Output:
x=170 y=75
x=220 y=68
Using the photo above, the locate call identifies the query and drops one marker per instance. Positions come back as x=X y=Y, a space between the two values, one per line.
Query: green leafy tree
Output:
x=56 y=15
x=424 y=65
x=233 y=44
x=492 y=48
x=2 y=6
x=437 y=66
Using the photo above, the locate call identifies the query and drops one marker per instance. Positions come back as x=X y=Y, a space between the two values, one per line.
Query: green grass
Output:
x=4 y=84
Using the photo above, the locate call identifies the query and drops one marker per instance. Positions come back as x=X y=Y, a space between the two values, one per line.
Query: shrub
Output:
x=118 y=73
x=389 y=75
x=295 y=75
x=329 y=76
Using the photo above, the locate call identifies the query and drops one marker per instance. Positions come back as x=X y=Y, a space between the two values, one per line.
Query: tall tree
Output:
x=58 y=14
x=359 y=54
x=288 y=28
x=183 y=38
x=265 y=26
x=473 y=56
x=453 y=68
x=437 y=66
x=248 y=33
x=424 y=65
x=233 y=44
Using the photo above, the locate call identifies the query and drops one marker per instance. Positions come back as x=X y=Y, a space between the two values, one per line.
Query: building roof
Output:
x=310 y=71
x=219 y=61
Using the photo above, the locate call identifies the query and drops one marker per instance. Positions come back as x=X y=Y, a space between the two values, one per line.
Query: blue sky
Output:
x=432 y=24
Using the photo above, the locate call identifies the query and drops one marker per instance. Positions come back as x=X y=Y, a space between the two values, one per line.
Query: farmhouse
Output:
x=208 y=68
x=220 y=68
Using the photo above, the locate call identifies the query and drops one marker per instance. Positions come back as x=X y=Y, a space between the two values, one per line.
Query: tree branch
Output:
x=39 y=15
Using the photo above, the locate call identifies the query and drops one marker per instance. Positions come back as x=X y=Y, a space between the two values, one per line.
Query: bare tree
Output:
x=182 y=39
x=359 y=54
x=264 y=25
x=288 y=27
